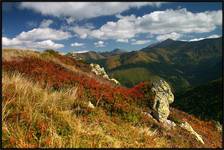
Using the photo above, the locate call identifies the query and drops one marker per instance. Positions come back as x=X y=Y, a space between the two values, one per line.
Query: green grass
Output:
x=132 y=76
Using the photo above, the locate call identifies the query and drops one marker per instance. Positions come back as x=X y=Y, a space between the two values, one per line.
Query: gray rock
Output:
x=160 y=98
x=95 y=68
x=188 y=127
x=90 y=105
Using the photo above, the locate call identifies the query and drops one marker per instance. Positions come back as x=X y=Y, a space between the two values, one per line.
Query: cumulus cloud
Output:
x=139 y=42
x=168 y=23
x=43 y=34
x=172 y=35
x=76 y=44
x=83 y=10
x=46 y=44
x=10 y=42
x=99 y=44
x=15 y=43
x=208 y=37
x=39 y=38
x=46 y=23
x=81 y=31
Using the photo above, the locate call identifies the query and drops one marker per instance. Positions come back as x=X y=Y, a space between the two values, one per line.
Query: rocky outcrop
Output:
x=160 y=98
x=188 y=127
x=99 y=71
x=95 y=68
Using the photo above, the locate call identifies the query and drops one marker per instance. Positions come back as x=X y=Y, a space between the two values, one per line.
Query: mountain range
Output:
x=183 y=64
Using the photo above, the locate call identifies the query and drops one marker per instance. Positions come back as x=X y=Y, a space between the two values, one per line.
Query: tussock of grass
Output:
x=29 y=110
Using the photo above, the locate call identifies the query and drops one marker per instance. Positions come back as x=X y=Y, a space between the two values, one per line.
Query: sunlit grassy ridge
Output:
x=43 y=91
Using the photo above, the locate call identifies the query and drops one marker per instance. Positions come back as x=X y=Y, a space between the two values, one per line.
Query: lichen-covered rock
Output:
x=90 y=105
x=160 y=98
x=101 y=72
x=188 y=127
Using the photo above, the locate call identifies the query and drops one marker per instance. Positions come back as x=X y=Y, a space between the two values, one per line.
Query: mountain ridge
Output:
x=181 y=63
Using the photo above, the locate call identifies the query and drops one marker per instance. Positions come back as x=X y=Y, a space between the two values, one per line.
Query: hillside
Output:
x=204 y=101
x=91 y=55
x=50 y=100
x=183 y=64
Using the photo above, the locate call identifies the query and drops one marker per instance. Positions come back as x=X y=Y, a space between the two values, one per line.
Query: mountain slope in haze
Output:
x=204 y=101
x=90 y=55
x=182 y=63
x=51 y=100
x=116 y=51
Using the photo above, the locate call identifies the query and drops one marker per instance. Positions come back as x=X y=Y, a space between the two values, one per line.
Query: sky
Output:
x=105 y=26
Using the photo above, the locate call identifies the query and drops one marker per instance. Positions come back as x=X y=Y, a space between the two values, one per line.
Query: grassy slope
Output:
x=133 y=76
x=36 y=114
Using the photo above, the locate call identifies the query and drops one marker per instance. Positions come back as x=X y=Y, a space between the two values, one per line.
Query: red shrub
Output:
x=53 y=75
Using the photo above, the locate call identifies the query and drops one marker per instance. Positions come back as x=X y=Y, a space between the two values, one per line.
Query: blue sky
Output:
x=99 y=26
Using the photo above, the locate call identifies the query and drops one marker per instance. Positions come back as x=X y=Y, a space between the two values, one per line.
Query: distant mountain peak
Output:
x=118 y=51
x=168 y=41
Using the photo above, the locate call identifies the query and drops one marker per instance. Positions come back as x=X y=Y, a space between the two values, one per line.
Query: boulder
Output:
x=160 y=98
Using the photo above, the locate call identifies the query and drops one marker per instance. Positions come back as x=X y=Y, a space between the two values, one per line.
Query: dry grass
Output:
x=29 y=113
x=36 y=117
x=10 y=54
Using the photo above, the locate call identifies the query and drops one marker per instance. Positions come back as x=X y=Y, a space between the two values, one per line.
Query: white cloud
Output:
x=70 y=20
x=172 y=35
x=179 y=21
x=208 y=37
x=47 y=44
x=139 y=42
x=10 y=42
x=39 y=38
x=81 y=31
x=213 y=36
x=122 y=40
x=15 y=43
x=43 y=34
x=76 y=44
x=83 y=10
x=46 y=23
x=163 y=24
x=81 y=51
x=99 y=44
